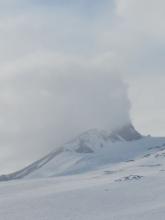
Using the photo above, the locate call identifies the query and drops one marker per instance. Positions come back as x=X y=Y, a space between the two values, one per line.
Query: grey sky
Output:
x=45 y=45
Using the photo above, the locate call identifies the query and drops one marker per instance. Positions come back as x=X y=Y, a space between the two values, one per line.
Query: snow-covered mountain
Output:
x=90 y=151
x=97 y=176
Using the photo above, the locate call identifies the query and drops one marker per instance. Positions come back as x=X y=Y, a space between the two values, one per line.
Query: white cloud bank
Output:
x=47 y=103
x=59 y=66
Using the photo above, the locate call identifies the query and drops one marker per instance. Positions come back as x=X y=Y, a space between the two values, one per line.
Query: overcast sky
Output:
x=51 y=50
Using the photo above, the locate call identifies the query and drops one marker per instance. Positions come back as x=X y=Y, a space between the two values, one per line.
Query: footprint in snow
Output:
x=160 y=155
x=150 y=165
x=128 y=161
x=109 y=172
x=147 y=155
x=153 y=148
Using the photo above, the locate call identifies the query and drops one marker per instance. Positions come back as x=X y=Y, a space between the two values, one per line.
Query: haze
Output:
x=70 y=66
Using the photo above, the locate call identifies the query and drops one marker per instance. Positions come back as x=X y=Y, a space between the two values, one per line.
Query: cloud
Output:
x=141 y=52
x=47 y=100
x=60 y=61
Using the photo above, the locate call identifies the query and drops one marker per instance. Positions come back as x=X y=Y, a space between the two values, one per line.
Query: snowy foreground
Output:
x=124 y=180
x=101 y=195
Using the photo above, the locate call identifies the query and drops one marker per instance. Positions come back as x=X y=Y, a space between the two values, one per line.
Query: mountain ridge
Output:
x=86 y=152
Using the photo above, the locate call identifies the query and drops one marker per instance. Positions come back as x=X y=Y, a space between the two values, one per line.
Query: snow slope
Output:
x=97 y=176
x=120 y=191
x=88 y=151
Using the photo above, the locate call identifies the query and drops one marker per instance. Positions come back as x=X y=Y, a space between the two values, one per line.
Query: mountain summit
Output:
x=127 y=132
x=86 y=152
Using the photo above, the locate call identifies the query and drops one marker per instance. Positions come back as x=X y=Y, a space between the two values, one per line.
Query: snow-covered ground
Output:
x=130 y=190
x=115 y=181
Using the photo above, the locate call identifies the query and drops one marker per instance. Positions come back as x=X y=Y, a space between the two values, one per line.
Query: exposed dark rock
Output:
x=84 y=148
x=129 y=178
x=128 y=133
